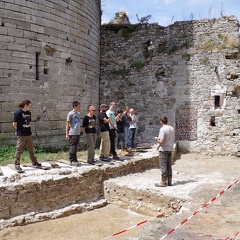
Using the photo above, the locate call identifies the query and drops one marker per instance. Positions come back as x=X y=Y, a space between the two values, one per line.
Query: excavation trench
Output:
x=121 y=196
x=38 y=194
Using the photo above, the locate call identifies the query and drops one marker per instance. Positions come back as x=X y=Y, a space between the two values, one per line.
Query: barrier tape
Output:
x=200 y=196
x=203 y=206
x=138 y=224
x=183 y=222
x=227 y=238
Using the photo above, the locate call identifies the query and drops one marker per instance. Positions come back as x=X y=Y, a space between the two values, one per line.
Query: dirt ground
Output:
x=198 y=178
x=207 y=177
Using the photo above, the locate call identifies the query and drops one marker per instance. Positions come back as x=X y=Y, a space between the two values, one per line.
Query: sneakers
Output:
x=37 y=164
x=106 y=159
x=116 y=157
x=75 y=163
x=92 y=163
x=18 y=168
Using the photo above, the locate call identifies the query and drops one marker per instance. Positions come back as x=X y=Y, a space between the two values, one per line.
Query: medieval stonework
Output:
x=188 y=71
x=50 y=55
x=121 y=17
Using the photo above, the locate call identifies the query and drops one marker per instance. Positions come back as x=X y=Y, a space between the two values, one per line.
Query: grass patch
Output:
x=43 y=154
x=125 y=32
x=138 y=64
x=122 y=72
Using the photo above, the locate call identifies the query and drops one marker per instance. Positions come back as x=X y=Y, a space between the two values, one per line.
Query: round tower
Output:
x=50 y=54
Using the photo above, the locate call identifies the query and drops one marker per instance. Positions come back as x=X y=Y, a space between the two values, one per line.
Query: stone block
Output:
x=4 y=213
x=3 y=30
x=16 y=210
x=9 y=1
x=37 y=28
x=17 y=47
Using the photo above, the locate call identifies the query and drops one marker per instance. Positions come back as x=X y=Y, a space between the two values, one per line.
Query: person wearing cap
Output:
x=113 y=129
x=104 y=132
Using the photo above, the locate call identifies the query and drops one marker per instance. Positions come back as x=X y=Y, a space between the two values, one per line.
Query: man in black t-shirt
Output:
x=21 y=122
x=88 y=127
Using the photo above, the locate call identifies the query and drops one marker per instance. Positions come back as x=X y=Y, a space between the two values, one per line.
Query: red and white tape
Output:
x=195 y=213
x=227 y=238
x=138 y=224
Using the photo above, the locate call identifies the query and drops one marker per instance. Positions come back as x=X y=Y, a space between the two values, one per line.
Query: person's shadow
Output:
x=183 y=182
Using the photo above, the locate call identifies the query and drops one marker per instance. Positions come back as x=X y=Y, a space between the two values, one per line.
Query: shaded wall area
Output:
x=187 y=71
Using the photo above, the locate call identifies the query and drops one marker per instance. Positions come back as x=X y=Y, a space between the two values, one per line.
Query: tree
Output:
x=144 y=19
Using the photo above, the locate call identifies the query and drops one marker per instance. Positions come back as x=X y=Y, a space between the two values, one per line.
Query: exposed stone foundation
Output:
x=39 y=192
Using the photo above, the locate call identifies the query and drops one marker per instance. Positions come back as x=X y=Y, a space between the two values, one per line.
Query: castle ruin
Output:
x=53 y=53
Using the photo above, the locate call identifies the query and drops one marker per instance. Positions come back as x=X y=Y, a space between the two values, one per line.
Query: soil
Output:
x=196 y=178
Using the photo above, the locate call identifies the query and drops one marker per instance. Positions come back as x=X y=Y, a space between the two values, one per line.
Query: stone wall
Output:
x=56 y=189
x=188 y=71
x=50 y=55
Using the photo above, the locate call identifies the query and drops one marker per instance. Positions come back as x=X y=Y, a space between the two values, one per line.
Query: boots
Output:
x=170 y=181
x=163 y=183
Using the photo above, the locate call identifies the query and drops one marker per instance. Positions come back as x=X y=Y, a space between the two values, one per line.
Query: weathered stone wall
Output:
x=49 y=54
x=61 y=188
x=188 y=71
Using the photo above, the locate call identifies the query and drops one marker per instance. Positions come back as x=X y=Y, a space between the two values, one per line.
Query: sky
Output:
x=166 y=12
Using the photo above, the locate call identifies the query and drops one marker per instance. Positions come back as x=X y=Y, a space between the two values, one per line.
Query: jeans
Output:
x=120 y=141
x=126 y=132
x=131 y=137
x=73 y=147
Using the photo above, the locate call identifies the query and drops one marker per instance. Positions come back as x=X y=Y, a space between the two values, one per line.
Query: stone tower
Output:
x=50 y=55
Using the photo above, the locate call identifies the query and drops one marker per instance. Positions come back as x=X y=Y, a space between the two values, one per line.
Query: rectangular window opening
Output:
x=37 y=64
x=217 y=102
x=212 y=121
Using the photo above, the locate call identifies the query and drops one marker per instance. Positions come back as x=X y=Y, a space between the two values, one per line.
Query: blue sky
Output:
x=166 y=12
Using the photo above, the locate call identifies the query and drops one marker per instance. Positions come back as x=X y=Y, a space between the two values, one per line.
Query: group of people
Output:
x=117 y=130
x=122 y=124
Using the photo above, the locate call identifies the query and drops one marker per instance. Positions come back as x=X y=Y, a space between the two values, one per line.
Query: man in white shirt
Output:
x=166 y=141
x=113 y=128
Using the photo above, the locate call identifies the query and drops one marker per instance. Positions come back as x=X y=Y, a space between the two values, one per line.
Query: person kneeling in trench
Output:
x=166 y=143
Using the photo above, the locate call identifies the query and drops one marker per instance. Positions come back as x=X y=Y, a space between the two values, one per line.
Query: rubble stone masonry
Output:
x=188 y=71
